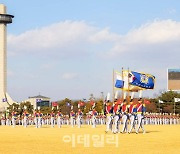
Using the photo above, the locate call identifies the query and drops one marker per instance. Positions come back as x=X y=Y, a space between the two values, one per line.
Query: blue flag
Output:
x=68 y=104
x=143 y=80
x=119 y=84
x=38 y=100
x=4 y=100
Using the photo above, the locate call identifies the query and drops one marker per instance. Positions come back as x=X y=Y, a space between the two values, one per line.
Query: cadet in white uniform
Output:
x=140 y=116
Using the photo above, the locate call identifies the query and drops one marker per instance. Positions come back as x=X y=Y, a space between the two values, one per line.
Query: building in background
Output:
x=39 y=101
x=173 y=76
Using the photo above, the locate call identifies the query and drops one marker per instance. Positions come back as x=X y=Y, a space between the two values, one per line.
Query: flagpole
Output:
x=128 y=84
x=113 y=88
x=123 y=86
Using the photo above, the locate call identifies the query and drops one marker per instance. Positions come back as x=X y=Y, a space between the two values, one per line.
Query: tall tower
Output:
x=4 y=20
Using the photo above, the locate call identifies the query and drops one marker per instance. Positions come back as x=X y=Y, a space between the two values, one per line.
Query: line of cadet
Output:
x=128 y=116
x=38 y=119
x=123 y=111
x=135 y=115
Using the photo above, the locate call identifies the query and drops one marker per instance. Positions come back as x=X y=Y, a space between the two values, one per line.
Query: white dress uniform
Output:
x=109 y=117
x=25 y=120
x=59 y=119
x=3 y=120
x=132 y=115
x=140 y=117
x=36 y=119
x=124 y=117
x=39 y=119
x=116 y=114
x=93 y=117
x=78 y=118
x=72 y=118
x=14 y=119
x=52 y=119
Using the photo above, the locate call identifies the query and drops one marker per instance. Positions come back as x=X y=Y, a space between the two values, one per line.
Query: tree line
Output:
x=65 y=105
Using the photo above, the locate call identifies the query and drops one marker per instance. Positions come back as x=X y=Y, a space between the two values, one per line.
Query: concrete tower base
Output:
x=5 y=99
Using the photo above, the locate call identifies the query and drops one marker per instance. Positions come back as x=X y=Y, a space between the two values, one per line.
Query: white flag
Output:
x=176 y=99
x=161 y=101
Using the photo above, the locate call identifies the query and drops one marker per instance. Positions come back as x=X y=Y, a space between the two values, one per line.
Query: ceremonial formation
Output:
x=71 y=61
x=124 y=114
x=119 y=117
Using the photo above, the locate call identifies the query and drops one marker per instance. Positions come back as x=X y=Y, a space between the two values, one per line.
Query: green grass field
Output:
x=157 y=140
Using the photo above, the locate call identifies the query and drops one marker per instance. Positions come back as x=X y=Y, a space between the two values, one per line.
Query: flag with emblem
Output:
x=4 y=100
x=123 y=81
x=142 y=80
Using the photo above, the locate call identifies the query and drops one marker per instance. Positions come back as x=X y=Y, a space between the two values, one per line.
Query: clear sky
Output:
x=68 y=48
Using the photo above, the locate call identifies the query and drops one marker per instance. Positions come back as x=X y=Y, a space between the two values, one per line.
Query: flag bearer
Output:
x=132 y=115
x=140 y=115
x=3 y=119
x=36 y=118
x=25 y=115
x=52 y=118
x=78 y=118
x=109 y=115
x=116 y=114
x=14 y=114
x=59 y=119
x=124 y=116
x=72 y=118
x=40 y=115
x=93 y=117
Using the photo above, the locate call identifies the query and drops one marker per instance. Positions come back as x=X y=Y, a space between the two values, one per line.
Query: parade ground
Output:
x=157 y=139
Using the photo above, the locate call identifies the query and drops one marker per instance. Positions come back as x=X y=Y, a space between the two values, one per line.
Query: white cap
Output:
x=108 y=96
x=116 y=95
x=132 y=95
x=124 y=95
x=140 y=93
